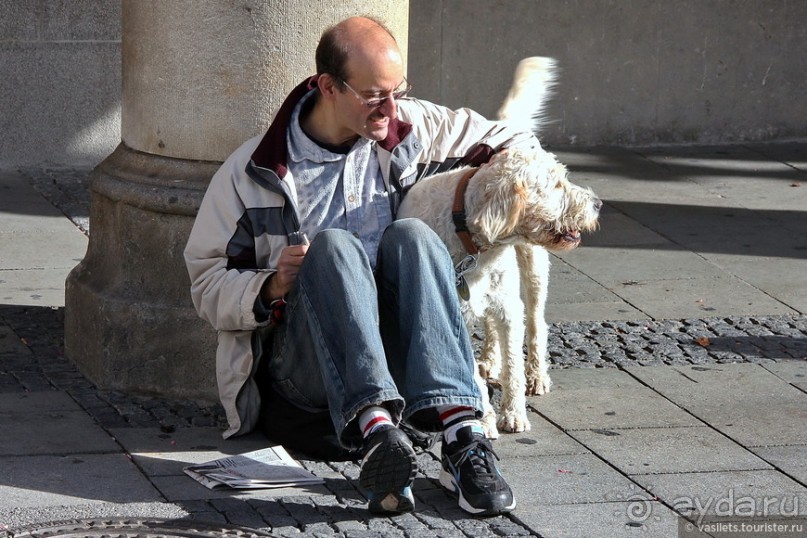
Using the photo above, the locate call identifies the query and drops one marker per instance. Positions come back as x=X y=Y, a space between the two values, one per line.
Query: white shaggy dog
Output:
x=515 y=206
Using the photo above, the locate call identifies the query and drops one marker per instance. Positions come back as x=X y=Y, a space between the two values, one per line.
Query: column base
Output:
x=129 y=321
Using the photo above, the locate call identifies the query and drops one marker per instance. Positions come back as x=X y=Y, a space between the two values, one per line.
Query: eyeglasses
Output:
x=376 y=102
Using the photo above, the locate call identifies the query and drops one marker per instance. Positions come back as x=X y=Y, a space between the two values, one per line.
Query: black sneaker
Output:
x=387 y=471
x=470 y=470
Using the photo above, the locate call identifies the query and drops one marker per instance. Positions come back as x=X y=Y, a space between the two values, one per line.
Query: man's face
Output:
x=361 y=113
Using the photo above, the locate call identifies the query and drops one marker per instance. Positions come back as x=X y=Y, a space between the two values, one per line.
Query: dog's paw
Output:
x=513 y=422
x=489 y=425
x=538 y=385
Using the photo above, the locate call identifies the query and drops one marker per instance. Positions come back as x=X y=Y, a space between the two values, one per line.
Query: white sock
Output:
x=455 y=418
x=372 y=418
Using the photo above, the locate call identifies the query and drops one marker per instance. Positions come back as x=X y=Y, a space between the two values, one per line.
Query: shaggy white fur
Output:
x=517 y=205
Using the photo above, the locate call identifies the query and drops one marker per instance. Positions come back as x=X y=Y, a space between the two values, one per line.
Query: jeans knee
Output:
x=413 y=235
x=334 y=244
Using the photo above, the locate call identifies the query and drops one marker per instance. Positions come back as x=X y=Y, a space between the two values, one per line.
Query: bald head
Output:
x=357 y=41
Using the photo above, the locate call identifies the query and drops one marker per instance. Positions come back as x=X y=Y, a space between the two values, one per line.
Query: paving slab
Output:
x=16 y=517
x=613 y=310
x=162 y=457
x=669 y=450
x=664 y=261
x=730 y=493
x=660 y=198
x=601 y=520
x=16 y=192
x=744 y=401
x=573 y=296
x=732 y=231
x=570 y=286
x=33 y=249
x=616 y=229
x=543 y=439
x=719 y=296
x=794 y=372
x=48 y=423
x=716 y=203
x=783 y=279
x=567 y=479
x=40 y=287
x=726 y=160
x=160 y=453
x=38 y=245
x=736 y=172
x=23 y=209
x=779 y=198
x=667 y=281
x=791 y=460
x=30 y=481
x=608 y=169
x=790 y=152
x=603 y=399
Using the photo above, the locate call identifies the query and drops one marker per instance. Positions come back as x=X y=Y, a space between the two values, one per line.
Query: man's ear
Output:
x=327 y=85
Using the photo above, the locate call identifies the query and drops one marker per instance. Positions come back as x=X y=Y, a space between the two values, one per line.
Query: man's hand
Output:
x=280 y=283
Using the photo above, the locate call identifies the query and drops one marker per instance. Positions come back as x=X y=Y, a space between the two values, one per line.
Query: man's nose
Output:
x=389 y=107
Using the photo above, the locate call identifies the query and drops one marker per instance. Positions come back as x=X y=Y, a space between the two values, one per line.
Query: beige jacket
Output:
x=250 y=208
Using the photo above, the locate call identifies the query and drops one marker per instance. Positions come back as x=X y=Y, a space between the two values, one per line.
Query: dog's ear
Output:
x=504 y=197
x=517 y=207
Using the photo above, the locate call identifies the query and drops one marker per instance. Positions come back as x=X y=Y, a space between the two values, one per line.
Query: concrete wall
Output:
x=633 y=72
x=59 y=81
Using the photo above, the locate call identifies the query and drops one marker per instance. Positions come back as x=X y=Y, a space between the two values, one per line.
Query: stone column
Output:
x=199 y=78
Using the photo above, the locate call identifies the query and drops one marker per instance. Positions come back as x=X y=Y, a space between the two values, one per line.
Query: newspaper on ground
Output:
x=265 y=468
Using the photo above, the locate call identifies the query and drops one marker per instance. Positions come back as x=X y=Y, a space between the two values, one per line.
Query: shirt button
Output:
x=351 y=198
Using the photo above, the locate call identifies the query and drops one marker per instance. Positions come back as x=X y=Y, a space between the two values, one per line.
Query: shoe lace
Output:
x=479 y=452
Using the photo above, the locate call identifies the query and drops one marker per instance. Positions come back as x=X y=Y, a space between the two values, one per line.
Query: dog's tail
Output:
x=524 y=106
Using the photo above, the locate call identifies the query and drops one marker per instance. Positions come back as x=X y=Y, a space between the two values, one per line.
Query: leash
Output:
x=467 y=264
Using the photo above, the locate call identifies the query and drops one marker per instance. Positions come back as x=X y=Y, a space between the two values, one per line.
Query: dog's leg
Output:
x=513 y=407
x=488 y=414
x=533 y=264
x=490 y=359
x=472 y=318
x=510 y=327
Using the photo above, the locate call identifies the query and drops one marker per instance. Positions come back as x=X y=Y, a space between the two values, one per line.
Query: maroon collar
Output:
x=458 y=213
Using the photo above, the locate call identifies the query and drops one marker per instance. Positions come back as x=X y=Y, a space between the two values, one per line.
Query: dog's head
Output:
x=525 y=195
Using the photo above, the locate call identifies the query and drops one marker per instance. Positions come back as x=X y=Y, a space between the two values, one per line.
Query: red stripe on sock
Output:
x=375 y=421
x=446 y=415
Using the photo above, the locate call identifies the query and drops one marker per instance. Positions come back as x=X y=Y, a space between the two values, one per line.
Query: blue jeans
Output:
x=354 y=337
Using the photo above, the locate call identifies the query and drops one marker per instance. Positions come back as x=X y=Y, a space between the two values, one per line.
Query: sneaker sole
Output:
x=387 y=474
x=448 y=482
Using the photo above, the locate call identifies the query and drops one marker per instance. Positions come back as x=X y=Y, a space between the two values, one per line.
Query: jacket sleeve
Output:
x=223 y=296
x=451 y=134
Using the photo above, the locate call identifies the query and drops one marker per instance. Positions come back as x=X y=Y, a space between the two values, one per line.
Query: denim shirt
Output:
x=335 y=190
